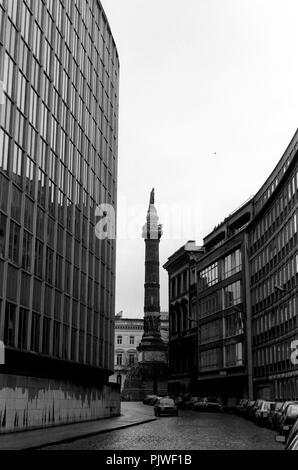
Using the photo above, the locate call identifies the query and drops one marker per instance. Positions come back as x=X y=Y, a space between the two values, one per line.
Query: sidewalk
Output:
x=132 y=414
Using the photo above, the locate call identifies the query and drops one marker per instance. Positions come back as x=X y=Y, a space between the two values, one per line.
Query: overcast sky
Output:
x=198 y=77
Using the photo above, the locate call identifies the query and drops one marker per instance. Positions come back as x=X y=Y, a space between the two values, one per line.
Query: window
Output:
x=131 y=340
x=119 y=360
x=2 y=234
x=46 y=335
x=131 y=359
x=210 y=331
x=35 y=332
x=23 y=328
x=232 y=264
x=232 y=294
x=49 y=266
x=210 y=359
x=38 y=258
x=10 y=324
x=234 y=355
x=208 y=277
x=56 y=339
x=27 y=251
x=119 y=339
x=14 y=242
x=234 y=325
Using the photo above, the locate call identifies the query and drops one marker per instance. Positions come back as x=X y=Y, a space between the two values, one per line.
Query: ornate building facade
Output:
x=183 y=319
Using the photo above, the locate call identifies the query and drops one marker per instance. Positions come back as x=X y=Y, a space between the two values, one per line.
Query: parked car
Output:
x=189 y=404
x=293 y=445
x=279 y=414
x=292 y=441
x=248 y=408
x=241 y=406
x=179 y=401
x=252 y=412
x=165 y=406
x=150 y=399
x=288 y=419
x=262 y=412
x=274 y=409
x=292 y=434
x=208 y=404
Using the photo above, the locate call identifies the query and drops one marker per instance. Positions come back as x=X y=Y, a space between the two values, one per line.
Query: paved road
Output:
x=189 y=431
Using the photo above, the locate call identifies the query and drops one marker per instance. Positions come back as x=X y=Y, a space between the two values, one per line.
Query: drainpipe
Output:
x=248 y=319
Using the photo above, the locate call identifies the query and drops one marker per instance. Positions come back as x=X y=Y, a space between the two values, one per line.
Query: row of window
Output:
x=278 y=279
x=212 y=358
x=229 y=326
x=281 y=240
x=272 y=354
x=24 y=171
x=275 y=317
x=120 y=340
x=222 y=299
x=125 y=360
x=179 y=284
x=273 y=185
x=53 y=337
x=278 y=207
x=230 y=265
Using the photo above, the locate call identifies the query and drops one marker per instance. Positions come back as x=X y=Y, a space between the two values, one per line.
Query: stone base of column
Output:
x=146 y=379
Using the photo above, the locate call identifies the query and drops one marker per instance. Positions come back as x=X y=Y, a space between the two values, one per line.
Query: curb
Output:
x=86 y=435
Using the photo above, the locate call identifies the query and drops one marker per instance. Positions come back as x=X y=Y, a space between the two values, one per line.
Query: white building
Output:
x=128 y=335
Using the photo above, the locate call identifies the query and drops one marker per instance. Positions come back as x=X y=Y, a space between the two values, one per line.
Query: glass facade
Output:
x=58 y=162
x=274 y=274
x=232 y=264
x=208 y=277
x=220 y=309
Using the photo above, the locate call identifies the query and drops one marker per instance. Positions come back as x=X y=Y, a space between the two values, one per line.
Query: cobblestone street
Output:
x=189 y=431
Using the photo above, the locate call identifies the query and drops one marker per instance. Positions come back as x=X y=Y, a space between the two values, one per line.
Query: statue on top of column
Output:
x=152 y=197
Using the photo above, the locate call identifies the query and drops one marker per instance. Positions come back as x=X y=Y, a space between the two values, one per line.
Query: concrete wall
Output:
x=29 y=402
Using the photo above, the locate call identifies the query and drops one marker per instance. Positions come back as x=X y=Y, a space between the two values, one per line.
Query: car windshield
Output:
x=166 y=401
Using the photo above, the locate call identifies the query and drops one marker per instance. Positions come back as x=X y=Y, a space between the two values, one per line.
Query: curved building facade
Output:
x=273 y=256
x=58 y=162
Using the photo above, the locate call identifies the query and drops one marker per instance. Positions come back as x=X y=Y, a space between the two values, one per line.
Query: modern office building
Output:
x=128 y=336
x=183 y=319
x=224 y=328
x=273 y=259
x=58 y=162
